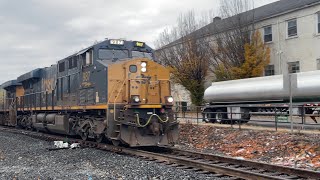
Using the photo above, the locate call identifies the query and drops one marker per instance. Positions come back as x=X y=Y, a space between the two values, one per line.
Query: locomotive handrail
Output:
x=114 y=104
x=109 y=97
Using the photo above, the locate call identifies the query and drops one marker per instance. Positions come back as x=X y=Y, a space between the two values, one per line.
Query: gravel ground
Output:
x=22 y=157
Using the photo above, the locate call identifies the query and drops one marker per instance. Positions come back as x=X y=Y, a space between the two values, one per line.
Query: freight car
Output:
x=113 y=90
x=267 y=94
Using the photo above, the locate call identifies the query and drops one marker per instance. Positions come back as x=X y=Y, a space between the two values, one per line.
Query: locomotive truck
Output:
x=239 y=99
x=113 y=90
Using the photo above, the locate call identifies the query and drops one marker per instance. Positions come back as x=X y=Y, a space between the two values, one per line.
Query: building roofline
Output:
x=203 y=35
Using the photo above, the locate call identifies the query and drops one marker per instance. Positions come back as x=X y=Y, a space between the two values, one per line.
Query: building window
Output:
x=318 y=64
x=269 y=70
x=318 y=24
x=268 y=34
x=292 y=28
x=294 y=67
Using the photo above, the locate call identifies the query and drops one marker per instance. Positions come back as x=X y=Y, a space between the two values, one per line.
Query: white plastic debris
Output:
x=240 y=158
x=240 y=150
x=61 y=144
x=65 y=145
x=74 y=145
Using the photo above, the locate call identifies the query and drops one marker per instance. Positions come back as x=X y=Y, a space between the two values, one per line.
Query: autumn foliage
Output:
x=256 y=58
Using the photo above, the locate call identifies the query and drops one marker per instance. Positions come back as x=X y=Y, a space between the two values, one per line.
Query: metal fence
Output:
x=275 y=116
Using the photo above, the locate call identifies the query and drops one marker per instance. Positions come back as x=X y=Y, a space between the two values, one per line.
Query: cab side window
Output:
x=61 y=66
x=89 y=57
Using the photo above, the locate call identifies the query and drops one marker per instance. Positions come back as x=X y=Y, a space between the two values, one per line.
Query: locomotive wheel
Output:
x=84 y=135
x=99 y=138
x=116 y=142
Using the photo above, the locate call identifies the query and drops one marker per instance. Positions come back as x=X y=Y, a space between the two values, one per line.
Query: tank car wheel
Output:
x=221 y=117
x=208 y=116
x=245 y=117
x=84 y=135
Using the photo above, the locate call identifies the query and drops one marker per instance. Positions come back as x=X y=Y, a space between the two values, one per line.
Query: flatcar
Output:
x=112 y=90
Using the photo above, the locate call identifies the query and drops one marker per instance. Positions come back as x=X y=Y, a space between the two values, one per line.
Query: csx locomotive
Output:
x=113 y=90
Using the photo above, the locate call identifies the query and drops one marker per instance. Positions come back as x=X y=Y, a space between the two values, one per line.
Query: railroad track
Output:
x=217 y=166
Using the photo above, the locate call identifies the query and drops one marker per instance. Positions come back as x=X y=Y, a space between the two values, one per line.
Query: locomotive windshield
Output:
x=141 y=54
x=113 y=54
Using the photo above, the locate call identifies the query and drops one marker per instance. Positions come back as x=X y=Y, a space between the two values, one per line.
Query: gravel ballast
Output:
x=297 y=150
x=22 y=157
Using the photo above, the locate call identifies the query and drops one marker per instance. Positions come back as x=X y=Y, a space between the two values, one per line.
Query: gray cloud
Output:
x=37 y=33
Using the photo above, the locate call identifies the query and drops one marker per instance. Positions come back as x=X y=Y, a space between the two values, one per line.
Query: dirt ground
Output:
x=299 y=150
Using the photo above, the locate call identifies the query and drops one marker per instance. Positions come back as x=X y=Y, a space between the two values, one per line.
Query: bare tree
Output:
x=194 y=47
x=186 y=54
x=230 y=37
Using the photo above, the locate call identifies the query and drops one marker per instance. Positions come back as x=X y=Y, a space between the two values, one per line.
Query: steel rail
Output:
x=200 y=164
x=268 y=167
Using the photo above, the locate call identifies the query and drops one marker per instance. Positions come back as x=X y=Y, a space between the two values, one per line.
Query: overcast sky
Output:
x=37 y=33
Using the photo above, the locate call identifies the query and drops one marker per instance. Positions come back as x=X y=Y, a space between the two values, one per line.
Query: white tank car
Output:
x=269 y=88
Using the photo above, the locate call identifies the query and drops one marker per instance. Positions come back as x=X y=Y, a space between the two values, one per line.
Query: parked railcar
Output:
x=238 y=99
x=113 y=90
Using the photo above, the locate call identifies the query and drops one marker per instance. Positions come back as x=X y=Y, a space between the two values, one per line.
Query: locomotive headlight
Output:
x=170 y=99
x=143 y=64
x=135 y=99
x=143 y=67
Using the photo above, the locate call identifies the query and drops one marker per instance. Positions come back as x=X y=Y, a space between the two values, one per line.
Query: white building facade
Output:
x=294 y=39
x=291 y=28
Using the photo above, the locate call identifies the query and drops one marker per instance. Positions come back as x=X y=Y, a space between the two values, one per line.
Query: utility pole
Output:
x=290 y=107
x=289 y=83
